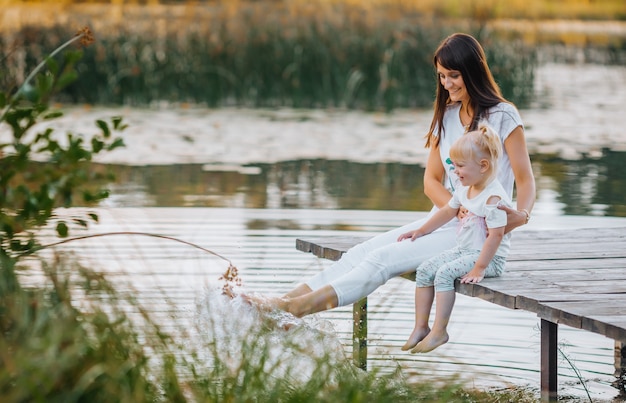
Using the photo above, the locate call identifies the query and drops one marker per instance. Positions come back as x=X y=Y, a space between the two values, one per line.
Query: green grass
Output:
x=74 y=336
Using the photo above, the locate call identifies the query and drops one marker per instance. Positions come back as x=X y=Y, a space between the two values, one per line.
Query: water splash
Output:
x=233 y=333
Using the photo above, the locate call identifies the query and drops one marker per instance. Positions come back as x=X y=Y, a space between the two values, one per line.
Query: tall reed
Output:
x=271 y=54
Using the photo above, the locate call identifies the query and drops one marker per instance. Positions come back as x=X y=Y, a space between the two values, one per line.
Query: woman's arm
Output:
x=437 y=193
x=433 y=179
x=515 y=146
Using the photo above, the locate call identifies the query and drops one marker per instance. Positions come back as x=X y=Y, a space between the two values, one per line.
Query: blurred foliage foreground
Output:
x=67 y=334
x=263 y=54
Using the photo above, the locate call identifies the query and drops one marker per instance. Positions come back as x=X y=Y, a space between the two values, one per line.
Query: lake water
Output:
x=490 y=346
x=247 y=183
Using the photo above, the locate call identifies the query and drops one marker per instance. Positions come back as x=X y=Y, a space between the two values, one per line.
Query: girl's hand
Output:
x=412 y=235
x=462 y=213
x=473 y=277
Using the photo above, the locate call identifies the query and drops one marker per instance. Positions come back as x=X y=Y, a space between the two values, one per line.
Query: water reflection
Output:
x=594 y=187
x=590 y=186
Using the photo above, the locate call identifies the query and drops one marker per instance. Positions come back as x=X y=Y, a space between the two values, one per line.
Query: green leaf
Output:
x=117 y=123
x=90 y=197
x=119 y=142
x=62 y=229
x=71 y=57
x=16 y=245
x=81 y=222
x=104 y=127
x=53 y=66
x=52 y=115
x=94 y=217
x=29 y=93
x=45 y=83
x=66 y=79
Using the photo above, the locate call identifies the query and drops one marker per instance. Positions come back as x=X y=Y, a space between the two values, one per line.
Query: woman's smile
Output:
x=452 y=81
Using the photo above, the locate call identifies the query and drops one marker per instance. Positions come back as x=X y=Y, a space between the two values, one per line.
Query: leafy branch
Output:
x=40 y=171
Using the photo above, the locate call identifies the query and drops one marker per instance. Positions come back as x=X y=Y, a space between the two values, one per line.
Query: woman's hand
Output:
x=514 y=218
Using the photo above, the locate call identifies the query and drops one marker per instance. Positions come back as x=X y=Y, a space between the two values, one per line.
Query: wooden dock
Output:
x=571 y=277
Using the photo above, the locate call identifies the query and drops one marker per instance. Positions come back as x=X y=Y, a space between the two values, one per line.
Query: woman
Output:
x=466 y=94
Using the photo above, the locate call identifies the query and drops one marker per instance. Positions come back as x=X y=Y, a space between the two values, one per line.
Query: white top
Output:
x=502 y=118
x=472 y=230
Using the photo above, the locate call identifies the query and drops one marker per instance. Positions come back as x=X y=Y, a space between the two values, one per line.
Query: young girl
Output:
x=482 y=245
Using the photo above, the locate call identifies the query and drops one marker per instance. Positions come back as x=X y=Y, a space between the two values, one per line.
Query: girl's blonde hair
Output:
x=482 y=143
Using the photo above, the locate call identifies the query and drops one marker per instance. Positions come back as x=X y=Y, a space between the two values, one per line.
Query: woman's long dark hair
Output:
x=463 y=53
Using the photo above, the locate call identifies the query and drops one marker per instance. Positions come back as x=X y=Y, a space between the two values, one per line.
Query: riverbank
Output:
x=577 y=114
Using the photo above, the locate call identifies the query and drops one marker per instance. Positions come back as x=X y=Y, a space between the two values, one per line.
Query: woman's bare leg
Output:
x=370 y=265
x=423 y=303
x=322 y=299
x=300 y=290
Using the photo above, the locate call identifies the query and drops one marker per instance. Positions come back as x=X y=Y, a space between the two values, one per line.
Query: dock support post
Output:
x=549 y=365
x=359 y=333
x=620 y=365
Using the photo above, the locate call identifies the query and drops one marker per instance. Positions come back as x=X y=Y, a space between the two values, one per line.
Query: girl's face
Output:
x=470 y=173
x=452 y=81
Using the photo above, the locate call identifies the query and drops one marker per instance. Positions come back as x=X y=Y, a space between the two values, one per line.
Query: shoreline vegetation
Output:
x=302 y=54
x=478 y=9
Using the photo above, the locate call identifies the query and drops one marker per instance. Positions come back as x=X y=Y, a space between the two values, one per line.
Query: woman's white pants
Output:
x=370 y=264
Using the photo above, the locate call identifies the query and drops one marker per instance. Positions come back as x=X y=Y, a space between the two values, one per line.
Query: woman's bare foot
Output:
x=416 y=336
x=431 y=342
x=265 y=303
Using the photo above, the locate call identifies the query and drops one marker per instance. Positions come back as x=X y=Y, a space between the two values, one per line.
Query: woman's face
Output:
x=452 y=81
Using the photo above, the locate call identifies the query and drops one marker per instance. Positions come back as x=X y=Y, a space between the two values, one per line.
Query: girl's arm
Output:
x=494 y=237
x=515 y=146
x=441 y=217
x=488 y=251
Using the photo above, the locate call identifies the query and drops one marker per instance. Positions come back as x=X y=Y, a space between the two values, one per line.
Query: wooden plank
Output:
x=531 y=300
x=547 y=253
x=326 y=248
x=606 y=272
x=610 y=326
x=572 y=313
x=596 y=264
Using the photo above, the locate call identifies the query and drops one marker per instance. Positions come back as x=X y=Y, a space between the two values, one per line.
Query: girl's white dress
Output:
x=441 y=270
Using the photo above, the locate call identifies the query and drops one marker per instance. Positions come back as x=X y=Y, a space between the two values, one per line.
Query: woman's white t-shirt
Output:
x=503 y=118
